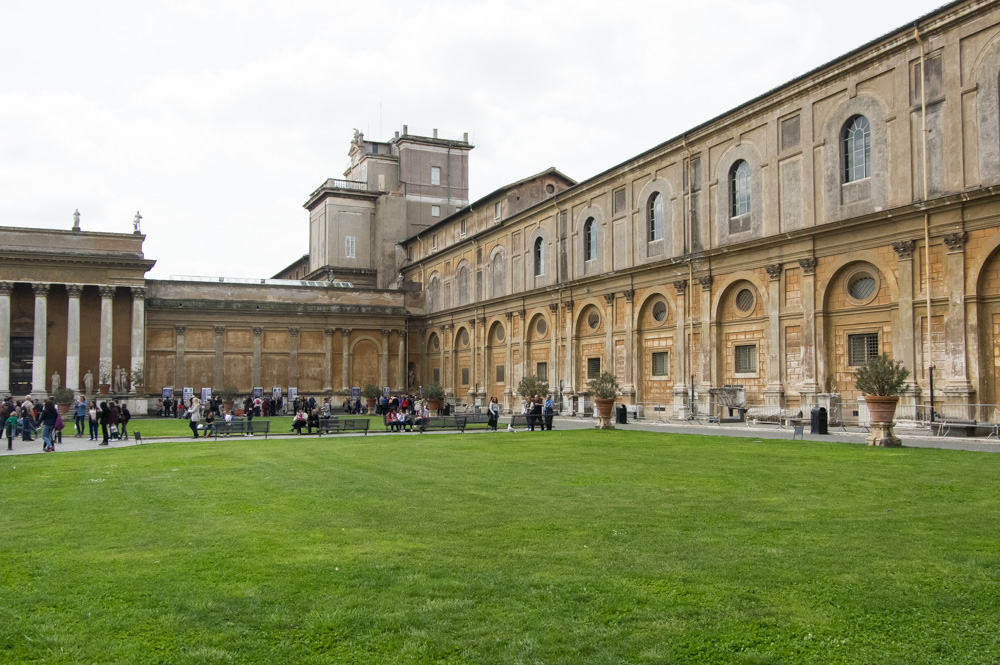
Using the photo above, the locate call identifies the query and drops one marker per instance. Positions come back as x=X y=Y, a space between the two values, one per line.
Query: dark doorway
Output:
x=21 y=362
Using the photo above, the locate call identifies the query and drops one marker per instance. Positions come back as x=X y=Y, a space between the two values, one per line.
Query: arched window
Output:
x=589 y=240
x=539 y=257
x=434 y=294
x=655 y=215
x=857 y=149
x=463 y=285
x=739 y=189
x=498 y=268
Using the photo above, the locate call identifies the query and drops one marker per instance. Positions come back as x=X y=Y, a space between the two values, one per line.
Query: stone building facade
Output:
x=849 y=212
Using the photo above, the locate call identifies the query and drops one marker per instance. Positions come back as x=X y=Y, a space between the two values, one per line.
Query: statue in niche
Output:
x=116 y=383
x=88 y=382
x=56 y=382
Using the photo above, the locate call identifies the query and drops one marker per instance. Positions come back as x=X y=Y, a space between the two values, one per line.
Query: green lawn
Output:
x=579 y=547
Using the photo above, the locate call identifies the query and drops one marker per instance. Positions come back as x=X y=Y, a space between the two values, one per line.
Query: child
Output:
x=10 y=426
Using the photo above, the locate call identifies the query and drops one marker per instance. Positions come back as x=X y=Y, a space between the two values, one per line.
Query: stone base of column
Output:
x=508 y=400
x=774 y=397
x=682 y=400
x=703 y=401
x=957 y=395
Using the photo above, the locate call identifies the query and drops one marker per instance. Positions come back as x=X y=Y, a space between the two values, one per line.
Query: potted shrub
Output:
x=881 y=380
x=228 y=395
x=371 y=393
x=63 y=398
x=104 y=376
x=434 y=394
x=529 y=386
x=604 y=388
x=138 y=379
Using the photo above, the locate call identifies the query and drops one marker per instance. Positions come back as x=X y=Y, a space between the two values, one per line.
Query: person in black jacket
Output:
x=105 y=419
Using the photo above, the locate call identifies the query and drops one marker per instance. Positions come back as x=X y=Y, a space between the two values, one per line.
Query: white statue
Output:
x=117 y=382
x=135 y=222
x=88 y=382
x=56 y=382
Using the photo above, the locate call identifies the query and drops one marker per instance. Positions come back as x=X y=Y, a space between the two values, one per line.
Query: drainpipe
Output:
x=688 y=298
x=927 y=215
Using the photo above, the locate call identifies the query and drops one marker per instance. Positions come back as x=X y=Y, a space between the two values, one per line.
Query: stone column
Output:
x=522 y=341
x=105 y=361
x=473 y=379
x=569 y=372
x=139 y=333
x=345 y=376
x=402 y=374
x=219 y=367
x=609 y=331
x=629 y=387
x=5 y=290
x=508 y=392
x=41 y=332
x=681 y=395
x=258 y=332
x=958 y=390
x=553 y=369
x=293 y=357
x=328 y=359
x=774 y=393
x=704 y=371
x=179 y=377
x=810 y=386
x=383 y=366
x=903 y=347
x=74 y=291
x=441 y=353
x=483 y=372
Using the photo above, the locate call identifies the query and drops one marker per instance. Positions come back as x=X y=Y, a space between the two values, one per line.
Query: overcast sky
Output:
x=216 y=119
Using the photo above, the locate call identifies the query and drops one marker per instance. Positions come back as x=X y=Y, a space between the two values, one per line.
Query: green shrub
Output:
x=881 y=377
x=529 y=386
x=605 y=386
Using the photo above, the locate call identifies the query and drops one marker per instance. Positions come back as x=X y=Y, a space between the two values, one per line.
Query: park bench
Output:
x=337 y=425
x=444 y=422
x=520 y=420
x=961 y=426
x=408 y=426
x=241 y=427
x=476 y=419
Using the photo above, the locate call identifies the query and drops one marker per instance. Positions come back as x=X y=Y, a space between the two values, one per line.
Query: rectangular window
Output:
x=435 y=175
x=435 y=211
x=463 y=228
x=349 y=247
x=661 y=364
x=746 y=359
x=618 y=204
x=593 y=368
x=496 y=211
x=465 y=376
x=434 y=241
x=500 y=374
x=437 y=375
x=542 y=371
x=861 y=348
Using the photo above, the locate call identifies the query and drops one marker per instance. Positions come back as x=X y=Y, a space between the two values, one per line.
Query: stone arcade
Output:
x=775 y=247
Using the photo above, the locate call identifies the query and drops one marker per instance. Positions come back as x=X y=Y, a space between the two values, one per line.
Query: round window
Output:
x=435 y=342
x=862 y=286
x=594 y=320
x=744 y=301
x=463 y=338
x=541 y=328
x=550 y=188
x=659 y=311
x=499 y=333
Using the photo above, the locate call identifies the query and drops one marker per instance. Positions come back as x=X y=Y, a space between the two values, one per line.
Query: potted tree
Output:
x=529 y=386
x=138 y=379
x=881 y=380
x=63 y=398
x=604 y=388
x=228 y=395
x=104 y=376
x=434 y=394
x=371 y=393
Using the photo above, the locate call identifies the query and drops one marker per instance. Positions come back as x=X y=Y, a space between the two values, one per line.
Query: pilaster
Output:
x=258 y=332
x=345 y=360
x=5 y=290
x=809 y=388
x=40 y=342
x=958 y=389
x=179 y=375
x=293 y=357
x=138 y=339
x=774 y=393
x=105 y=361
x=682 y=407
x=74 y=291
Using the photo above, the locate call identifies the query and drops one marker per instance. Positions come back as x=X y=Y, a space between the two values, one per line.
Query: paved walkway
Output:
x=913 y=438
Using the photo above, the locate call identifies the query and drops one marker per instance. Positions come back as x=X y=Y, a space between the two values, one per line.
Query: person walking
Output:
x=194 y=415
x=49 y=416
x=105 y=420
x=494 y=413
x=123 y=417
x=548 y=409
x=10 y=426
x=92 y=418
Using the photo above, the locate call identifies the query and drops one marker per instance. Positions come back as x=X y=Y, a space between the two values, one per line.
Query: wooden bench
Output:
x=520 y=420
x=242 y=427
x=336 y=425
x=476 y=419
x=399 y=427
x=443 y=422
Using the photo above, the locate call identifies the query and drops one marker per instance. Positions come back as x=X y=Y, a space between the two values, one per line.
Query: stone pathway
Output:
x=913 y=438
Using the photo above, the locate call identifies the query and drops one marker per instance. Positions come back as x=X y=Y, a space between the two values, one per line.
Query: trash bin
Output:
x=818 y=421
x=622 y=415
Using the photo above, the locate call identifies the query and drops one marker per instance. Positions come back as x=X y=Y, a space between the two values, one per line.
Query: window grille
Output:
x=465 y=376
x=861 y=348
x=746 y=359
x=661 y=366
x=500 y=369
x=593 y=368
x=542 y=371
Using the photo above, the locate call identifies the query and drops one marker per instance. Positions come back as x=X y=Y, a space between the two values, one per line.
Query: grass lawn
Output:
x=579 y=547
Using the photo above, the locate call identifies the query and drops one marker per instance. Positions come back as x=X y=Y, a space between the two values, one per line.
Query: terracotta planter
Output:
x=371 y=405
x=104 y=388
x=882 y=410
x=140 y=390
x=602 y=409
x=227 y=405
x=434 y=404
